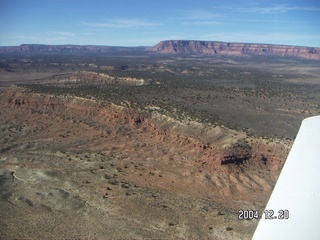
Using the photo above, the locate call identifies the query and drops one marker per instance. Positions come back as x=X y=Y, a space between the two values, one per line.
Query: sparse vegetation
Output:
x=209 y=91
x=174 y=156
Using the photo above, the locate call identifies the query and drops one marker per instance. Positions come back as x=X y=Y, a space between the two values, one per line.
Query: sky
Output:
x=147 y=22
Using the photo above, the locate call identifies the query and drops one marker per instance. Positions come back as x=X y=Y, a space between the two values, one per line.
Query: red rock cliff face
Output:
x=150 y=130
x=235 y=49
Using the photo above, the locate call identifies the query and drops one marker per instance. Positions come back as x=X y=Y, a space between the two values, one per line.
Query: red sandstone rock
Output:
x=235 y=49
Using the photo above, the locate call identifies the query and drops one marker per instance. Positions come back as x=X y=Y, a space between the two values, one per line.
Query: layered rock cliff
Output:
x=235 y=49
x=179 y=46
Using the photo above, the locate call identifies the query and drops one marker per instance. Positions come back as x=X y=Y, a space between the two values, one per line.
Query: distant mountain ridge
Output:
x=68 y=48
x=179 y=47
x=234 y=49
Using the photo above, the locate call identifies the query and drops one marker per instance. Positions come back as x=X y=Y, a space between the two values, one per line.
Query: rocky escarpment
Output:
x=179 y=46
x=212 y=147
x=70 y=160
x=235 y=49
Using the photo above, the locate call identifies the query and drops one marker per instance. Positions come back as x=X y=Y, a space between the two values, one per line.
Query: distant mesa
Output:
x=179 y=47
x=42 y=48
x=234 y=49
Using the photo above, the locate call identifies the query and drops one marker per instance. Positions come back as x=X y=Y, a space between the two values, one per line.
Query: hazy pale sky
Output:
x=146 y=22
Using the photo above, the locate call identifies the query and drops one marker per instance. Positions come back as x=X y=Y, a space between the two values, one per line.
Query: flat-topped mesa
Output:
x=179 y=46
x=235 y=49
x=67 y=48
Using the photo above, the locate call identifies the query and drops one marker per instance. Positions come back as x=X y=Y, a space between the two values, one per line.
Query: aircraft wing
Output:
x=297 y=191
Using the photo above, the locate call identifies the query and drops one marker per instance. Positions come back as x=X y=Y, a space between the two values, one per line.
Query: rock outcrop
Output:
x=235 y=49
x=102 y=78
x=215 y=148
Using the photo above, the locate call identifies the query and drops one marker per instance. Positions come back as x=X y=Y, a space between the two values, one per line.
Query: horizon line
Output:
x=146 y=46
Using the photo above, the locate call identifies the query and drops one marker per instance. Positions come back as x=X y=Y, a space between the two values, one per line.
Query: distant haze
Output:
x=179 y=47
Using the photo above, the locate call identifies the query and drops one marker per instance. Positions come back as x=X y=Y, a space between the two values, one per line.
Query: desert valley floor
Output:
x=145 y=146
